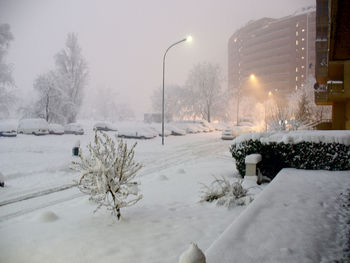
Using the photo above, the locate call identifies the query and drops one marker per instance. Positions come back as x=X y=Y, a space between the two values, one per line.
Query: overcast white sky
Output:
x=124 y=41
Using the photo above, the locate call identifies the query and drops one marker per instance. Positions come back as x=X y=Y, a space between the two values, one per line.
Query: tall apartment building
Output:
x=279 y=52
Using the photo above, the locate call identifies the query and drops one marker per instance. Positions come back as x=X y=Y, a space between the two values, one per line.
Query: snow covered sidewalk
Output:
x=299 y=217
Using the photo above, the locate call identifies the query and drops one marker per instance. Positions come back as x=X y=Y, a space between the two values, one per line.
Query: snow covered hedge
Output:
x=312 y=150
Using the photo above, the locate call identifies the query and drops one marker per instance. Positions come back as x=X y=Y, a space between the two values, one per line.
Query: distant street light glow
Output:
x=252 y=77
x=189 y=39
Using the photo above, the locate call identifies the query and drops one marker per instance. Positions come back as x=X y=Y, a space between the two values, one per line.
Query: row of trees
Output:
x=299 y=110
x=202 y=97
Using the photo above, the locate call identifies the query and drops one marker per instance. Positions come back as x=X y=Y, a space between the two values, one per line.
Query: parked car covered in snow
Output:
x=138 y=133
x=56 y=129
x=175 y=130
x=209 y=127
x=158 y=129
x=8 y=130
x=33 y=126
x=104 y=126
x=73 y=128
x=228 y=134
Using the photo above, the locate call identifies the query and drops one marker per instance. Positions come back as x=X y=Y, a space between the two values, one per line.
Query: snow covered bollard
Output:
x=76 y=148
x=192 y=255
x=2 y=180
x=251 y=161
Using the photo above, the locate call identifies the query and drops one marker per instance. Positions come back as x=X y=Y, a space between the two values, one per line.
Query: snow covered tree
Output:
x=108 y=173
x=174 y=101
x=6 y=81
x=51 y=99
x=303 y=113
x=72 y=75
x=204 y=86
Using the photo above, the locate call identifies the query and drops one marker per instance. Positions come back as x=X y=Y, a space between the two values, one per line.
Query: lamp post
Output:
x=189 y=38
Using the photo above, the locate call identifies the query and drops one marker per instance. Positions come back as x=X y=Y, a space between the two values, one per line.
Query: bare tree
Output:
x=6 y=81
x=174 y=101
x=72 y=75
x=51 y=99
x=204 y=90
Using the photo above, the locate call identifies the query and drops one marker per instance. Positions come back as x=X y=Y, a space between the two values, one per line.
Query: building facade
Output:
x=332 y=68
x=278 y=53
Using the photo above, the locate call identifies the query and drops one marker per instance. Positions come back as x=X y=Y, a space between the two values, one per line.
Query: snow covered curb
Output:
x=297 y=218
x=293 y=137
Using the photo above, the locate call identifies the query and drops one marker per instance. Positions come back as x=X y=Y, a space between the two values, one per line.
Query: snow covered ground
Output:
x=301 y=216
x=301 y=211
x=61 y=227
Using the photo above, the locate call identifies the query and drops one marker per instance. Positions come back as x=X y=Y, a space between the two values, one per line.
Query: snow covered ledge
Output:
x=296 y=218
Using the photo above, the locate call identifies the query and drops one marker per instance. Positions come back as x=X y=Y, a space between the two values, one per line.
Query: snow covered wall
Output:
x=294 y=137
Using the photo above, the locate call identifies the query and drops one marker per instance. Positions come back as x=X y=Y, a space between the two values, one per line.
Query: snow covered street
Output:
x=61 y=227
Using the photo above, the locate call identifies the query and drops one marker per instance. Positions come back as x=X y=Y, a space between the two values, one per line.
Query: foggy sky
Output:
x=124 y=41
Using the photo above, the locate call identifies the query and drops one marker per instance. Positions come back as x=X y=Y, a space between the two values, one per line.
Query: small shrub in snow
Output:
x=224 y=193
x=107 y=173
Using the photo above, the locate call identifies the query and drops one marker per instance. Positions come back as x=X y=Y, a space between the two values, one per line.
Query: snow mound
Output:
x=294 y=137
x=162 y=177
x=48 y=216
x=192 y=255
x=181 y=171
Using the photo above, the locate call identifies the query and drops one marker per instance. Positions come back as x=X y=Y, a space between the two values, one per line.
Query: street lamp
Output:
x=189 y=39
x=253 y=79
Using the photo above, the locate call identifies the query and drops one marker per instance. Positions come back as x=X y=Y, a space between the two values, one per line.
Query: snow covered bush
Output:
x=107 y=173
x=224 y=193
x=302 y=155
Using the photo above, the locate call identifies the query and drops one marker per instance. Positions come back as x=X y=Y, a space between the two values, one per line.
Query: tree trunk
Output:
x=208 y=113
x=47 y=108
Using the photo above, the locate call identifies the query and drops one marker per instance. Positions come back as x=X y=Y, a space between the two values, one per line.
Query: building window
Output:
x=302 y=67
x=296 y=87
x=303 y=30
x=302 y=48
x=302 y=57
x=303 y=39
x=302 y=76
x=296 y=78
x=296 y=69
x=296 y=42
x=297 y=25
x=297 y=33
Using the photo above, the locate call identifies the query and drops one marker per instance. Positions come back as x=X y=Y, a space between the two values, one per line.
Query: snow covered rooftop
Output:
x=293 y=137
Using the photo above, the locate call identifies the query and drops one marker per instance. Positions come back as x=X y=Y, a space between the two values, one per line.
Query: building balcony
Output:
x=326 y=94
x=321 y=67
x=335 y=87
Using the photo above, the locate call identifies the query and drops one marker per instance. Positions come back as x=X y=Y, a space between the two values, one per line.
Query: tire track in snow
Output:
x=180 y=155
